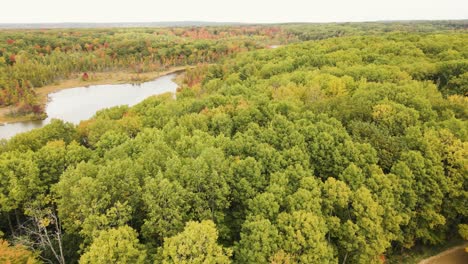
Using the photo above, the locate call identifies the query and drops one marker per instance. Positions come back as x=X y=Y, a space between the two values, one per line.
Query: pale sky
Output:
x=255 y=11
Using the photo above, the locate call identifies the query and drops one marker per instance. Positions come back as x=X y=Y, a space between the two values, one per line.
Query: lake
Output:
x=81 y=103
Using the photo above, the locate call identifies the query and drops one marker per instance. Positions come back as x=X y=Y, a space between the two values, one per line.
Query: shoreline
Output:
x=446 y=254
x=96 y=78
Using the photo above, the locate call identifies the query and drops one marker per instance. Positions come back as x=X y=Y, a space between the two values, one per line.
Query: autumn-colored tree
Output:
x=16 y=254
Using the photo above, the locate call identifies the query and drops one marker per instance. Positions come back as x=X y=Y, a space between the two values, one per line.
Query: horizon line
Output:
x=236 y=22
x=192 y=23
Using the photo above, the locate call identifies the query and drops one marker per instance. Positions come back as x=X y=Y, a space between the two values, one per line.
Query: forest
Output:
x=347 y=145
x=30 y=59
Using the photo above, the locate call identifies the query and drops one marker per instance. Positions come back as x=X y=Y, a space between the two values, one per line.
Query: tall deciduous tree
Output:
x=196 y=244
x=118 y=245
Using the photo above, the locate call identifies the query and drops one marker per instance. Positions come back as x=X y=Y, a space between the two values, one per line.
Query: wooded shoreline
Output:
x=98 y=78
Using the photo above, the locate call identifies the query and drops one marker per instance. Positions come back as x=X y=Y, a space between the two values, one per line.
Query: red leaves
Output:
x=37 y=109
x=12 y=58
x=89 y=47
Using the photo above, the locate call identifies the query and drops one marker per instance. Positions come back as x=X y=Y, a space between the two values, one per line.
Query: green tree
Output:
x=51 y=161
x=117 y=245
x=259 y=242
x=196 y=244
x=303 y=237
x=166 y=206
x=20 y=180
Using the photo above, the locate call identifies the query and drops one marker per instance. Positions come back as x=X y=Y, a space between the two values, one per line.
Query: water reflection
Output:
x=76 y=104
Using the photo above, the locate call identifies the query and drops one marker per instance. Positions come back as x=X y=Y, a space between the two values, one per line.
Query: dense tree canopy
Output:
x=344 y=150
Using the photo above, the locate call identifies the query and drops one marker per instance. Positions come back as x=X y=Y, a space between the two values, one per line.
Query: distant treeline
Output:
x=328 y=30
x=30 y=59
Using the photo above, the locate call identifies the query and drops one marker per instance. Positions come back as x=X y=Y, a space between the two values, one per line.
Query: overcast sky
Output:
x=262 y=11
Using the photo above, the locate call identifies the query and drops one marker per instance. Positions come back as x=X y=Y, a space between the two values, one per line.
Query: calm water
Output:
x=81 y=103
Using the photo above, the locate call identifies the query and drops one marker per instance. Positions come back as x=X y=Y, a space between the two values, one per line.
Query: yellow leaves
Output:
x=299 y=93
x=196 y=88
x=281 y=257
x=458 y=99
x=288 y=92
x=243 y=104
x=57 y=144
x=463 y=231
x=23 y=57
x=331 y=85
x=119 y=245
x=196 y=244
x=396 y=118
x=336 y=87
x=382 y=111
x=44 y=222
x=130 y=123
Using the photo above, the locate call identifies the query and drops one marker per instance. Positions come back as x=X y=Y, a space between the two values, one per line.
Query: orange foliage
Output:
x=12 y=58
x=15 y=254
